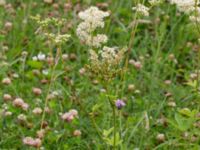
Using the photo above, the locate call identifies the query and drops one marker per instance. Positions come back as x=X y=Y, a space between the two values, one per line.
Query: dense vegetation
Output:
x=99 y=74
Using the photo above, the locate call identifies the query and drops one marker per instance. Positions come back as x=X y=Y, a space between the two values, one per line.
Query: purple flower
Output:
x=119 y=103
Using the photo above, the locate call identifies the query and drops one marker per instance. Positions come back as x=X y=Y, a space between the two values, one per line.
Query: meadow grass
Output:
x=162 y=100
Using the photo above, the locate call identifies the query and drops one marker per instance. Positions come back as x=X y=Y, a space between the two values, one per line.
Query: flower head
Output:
x=141 y=9
x=119 y=103
x=92 y=19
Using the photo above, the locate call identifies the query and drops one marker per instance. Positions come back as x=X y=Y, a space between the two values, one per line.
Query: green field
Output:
x=99 y=75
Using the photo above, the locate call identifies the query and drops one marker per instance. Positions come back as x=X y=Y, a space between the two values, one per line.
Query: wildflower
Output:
x=25 y=106
x=82 y=71
x=41 y=56
x=160 y=137
x=141 y=9
x=193 y=76
x=92 y=19
x=7 y=113
x=185 y=6
x=24 y=53
x=74 y=112
x=94 y=16
x=2 y=2
x=6 y=81
x=32 y=142
x=22 y=118
x=72 y=57
x=41 y=133
x=48 y=1
x=7 y=97
x=34 y=58
x=136 y=64
x=58 y=38
x=8 y=26
x=37 y=91
x=65 y=56
x=171 y=104
x=18 y=102
x=106 y=63
x=69 y=116
x=131 y=87
x=119 y=104
x=155 y=2
x=47 y=110
x=37 y=111
x=77 y=133
x=168 y=82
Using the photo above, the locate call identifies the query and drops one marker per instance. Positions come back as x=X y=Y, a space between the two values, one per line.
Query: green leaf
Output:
x=183 y=123
x=35 y=64
x=106 y=133
x=96 y=107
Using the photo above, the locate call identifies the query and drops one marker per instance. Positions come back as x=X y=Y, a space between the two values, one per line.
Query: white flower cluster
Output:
x=107 y=60
x=141 y=9
x=105 y=63
x=58 y=38
x=155 y=2
x=92 y=19
x=43 y=29
x=40 y=57
x=185 y=6
x=189 y=7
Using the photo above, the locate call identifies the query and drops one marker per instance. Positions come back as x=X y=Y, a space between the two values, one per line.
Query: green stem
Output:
x=198 y=55
x=96 y=127
x=114 y=123
x=114 y=116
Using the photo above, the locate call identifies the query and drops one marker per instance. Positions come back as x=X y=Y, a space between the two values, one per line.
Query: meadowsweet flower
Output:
x=119 y=104
x=56 y=37
x=94 y=16
x=195 y=19
x=141 y=9
x=106 y=63
x=92 y=19
x=155 y=2
x=186 y=6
